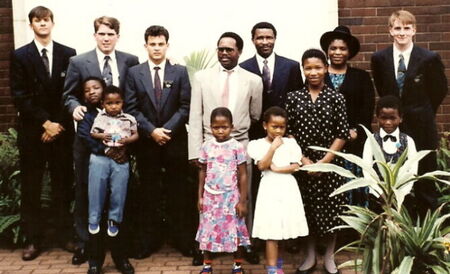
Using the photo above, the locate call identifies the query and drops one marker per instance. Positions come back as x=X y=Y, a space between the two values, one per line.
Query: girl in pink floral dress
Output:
x=222 y=195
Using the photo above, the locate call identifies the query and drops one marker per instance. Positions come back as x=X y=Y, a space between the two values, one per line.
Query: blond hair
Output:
x=404 y=16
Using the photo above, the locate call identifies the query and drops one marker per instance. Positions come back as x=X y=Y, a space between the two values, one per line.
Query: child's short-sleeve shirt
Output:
x=222 y=160
x=119 y=126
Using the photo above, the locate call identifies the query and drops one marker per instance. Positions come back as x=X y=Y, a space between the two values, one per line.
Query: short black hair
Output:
x=274 y=111
x=94 y=78
x=314 y=53
x=264 y=25
x=221 y=112
x=389 y=101
x=112 y=90
x=156 y=31
x=236 y=37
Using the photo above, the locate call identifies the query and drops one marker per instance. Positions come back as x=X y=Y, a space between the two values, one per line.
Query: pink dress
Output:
x=220 y=229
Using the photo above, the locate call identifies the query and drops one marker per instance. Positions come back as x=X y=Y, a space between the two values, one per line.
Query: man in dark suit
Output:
x=416 y=76
x=112 y=66
x=158 y=95
x=38 y=70
x=280 y=75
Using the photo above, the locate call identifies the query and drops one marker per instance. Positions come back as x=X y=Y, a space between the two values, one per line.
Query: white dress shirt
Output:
x=49 y=49
x=112 y=64
x=406 y=56
x=233 y=85
x=270 y=64
x=390 y=147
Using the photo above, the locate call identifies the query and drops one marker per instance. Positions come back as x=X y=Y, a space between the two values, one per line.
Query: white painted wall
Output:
x=193 y=24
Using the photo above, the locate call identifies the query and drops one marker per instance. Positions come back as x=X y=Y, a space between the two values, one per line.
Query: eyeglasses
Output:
x=224 y=49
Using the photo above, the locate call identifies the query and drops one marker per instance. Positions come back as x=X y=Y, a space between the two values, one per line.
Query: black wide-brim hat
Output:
x=341 y=32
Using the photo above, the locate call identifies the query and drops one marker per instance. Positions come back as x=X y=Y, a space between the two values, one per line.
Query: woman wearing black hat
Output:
x=357 y=88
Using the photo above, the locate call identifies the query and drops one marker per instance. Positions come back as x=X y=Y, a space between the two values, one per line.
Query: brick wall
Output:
x=7 y=111
x=367 y=20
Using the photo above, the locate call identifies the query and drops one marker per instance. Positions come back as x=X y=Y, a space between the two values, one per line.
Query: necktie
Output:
x=107 y=74
x=157 y=85
x=266 y=76
x=45 y=61
x=226 y=89
x=387 y=137
x=401 y=73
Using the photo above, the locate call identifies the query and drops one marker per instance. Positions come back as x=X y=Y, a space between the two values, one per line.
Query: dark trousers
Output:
x=81 y=156
x=34 y=157
x=166 y=196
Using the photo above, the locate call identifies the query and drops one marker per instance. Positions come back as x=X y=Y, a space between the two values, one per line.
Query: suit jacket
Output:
x=359 y=95
x=424 y=89
x=286 y=77
x=37 y=96
x=205 y=98
x=140 y=99
x=86 y=65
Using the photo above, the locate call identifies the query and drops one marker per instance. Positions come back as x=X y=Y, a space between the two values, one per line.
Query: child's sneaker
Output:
x=206 y=269
x=94 y=228
x=237 y=268
x=113 y=228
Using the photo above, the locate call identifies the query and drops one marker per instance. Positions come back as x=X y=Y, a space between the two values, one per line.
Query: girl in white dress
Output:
x=279 y=213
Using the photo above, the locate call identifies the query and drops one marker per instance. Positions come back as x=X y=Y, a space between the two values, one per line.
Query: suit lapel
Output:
x=390 y=69
x=146 y=81
x=122 y=67
x=37 y=63
x=57 y=67
x=169 y=76
x=413 y=66
x=92 y=65
x=240 y=96
x=254 y=66
x=279 y=71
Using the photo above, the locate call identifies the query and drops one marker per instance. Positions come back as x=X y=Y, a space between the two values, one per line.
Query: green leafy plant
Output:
x=199 y=60
x=390 y=241
x=443 y=161
x=9 y=187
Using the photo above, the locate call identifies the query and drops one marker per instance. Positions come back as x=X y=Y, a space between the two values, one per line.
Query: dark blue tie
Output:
x=401 y=73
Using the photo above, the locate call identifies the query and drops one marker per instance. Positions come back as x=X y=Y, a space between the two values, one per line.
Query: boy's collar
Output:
x=396 y=133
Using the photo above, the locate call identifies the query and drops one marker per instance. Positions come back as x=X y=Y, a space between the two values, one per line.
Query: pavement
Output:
x=166 y=261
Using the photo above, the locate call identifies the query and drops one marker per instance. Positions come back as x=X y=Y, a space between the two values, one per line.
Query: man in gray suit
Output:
x=245 y=103
x=111 y=65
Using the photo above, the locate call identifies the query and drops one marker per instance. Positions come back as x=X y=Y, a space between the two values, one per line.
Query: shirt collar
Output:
x=39 y=46
x=405 y=53
x=101 y=55
x=222 y=69
x=269 y=59
x=396 y=133
x=103 y=112
x=162 y=65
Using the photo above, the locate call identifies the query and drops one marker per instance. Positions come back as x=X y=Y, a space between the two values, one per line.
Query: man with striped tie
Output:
x=112 y=66
x=415 y=75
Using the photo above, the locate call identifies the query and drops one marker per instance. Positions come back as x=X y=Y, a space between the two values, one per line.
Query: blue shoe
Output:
x=113 y=228
x=94 y=228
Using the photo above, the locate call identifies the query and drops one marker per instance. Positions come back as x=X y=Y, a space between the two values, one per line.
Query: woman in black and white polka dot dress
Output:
x=317 y=117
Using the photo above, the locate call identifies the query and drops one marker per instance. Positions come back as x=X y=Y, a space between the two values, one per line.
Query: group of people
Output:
x=247 y=128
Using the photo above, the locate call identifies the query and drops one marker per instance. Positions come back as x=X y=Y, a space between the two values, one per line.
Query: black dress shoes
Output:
x=251 y=255
x=79 y=256
x=124 y=266
x=94 y=269
x=30 y=252
x=197 y=257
